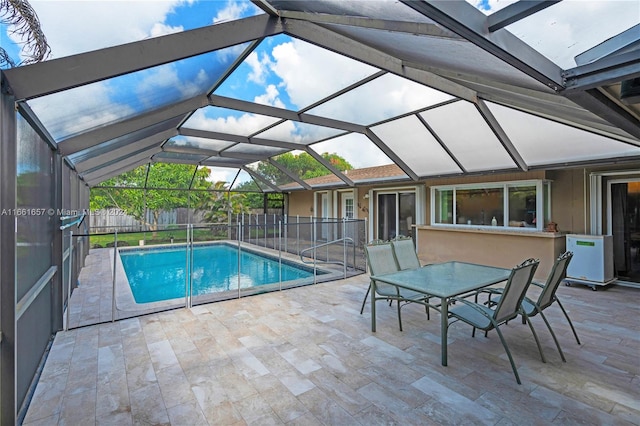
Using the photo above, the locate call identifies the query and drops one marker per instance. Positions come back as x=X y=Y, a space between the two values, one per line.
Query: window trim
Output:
x=505 y=185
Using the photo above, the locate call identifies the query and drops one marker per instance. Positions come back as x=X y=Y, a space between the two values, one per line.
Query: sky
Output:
x=282 y=72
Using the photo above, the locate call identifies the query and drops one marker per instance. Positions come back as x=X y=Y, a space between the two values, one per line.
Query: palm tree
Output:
x=23 y=21
x=221 y=203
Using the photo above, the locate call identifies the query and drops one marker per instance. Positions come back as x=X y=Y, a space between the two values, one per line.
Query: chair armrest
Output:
x=537 y=284
x=473 y=305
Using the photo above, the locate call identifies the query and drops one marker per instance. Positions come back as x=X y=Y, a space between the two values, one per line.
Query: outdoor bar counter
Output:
x=499 y=247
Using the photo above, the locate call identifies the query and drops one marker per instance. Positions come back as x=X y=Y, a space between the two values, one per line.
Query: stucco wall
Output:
x=496 y=248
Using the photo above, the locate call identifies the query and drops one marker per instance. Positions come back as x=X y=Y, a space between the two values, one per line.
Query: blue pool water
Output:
x=159 y=273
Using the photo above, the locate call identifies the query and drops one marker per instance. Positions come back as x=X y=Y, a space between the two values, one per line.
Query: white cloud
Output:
x=234 y=10
x=160 y=29
x=79 y=26
x=259 y=67
x=270 y=97
x=243 y=125
x=310 y=73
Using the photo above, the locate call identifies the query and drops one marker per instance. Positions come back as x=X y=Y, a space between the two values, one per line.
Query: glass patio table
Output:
x=444 y=281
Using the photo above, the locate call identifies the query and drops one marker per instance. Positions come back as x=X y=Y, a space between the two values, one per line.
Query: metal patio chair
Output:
x=381 y=260
x=405 y=254
x=546 y=297
x=509 y=307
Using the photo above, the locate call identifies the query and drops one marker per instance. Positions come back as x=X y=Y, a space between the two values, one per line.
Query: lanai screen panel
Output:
x=191 y=144
x=355 y=148
x=299 y=133
x=225 y=120
x=379 y=9
x=174 y=176
x=289 y=73
x=179 y=157
x=542 y=141
x=442 y=53
x=466 y=134
x=410 y=139
x=252 y=149
x=385 y=97
x=568 y=28
x=94 y=105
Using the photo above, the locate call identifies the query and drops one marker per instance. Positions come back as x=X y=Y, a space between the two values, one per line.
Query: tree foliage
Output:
x=303 y=165
x=220 y=203
x=129 y=194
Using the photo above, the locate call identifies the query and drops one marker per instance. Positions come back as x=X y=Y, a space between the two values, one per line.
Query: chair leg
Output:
x=399 y=315
x=506 y=348
x=555 y=339
x=364 y=301
x=535 y=336
x=570 y=323
x=426 y=307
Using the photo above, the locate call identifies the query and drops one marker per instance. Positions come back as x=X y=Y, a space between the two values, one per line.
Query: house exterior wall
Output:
x=570 y=209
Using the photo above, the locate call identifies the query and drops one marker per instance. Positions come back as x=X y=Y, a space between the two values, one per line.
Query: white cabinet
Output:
x=592 y=258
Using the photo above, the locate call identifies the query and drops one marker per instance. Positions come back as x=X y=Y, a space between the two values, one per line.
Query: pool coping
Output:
x=125 y=301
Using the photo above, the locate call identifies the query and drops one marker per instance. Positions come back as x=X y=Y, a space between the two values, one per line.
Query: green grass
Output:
x=160 y=237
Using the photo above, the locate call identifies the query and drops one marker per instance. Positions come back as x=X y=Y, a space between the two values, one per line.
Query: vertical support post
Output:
x=113 y=287
x=239 y=258
x=66 y=323
x=279 y=252
x=265 y=229
x=298 y=234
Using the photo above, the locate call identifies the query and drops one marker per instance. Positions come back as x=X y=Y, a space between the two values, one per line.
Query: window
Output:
x=523 y=204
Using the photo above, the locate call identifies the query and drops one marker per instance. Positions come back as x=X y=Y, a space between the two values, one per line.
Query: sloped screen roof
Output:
x=433 y=89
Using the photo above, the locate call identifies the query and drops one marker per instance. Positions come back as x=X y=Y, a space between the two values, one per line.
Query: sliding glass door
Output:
x=396 y=213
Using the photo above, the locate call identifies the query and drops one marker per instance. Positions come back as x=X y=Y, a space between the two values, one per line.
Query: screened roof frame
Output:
x=580 y=97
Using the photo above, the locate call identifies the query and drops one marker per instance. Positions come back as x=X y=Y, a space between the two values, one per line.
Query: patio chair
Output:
x=381 y=261
x=405 y=254
x=547 y=297
x=509 y=307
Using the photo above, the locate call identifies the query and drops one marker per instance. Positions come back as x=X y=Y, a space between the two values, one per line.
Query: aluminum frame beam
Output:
x=502 y=136
x=391 y=154
x=465 y=20
x=102 y=154
x=329 y=166
x=286 y=171
x=256 y=176
x=52 y=76
x=515 y=12
x=605 y=71
x=346 y=46
x=237 y=104
x=623 y=42
x=170 y=116
x=418 y=28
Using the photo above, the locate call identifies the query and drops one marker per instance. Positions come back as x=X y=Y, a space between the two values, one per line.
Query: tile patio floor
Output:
x=306 y=356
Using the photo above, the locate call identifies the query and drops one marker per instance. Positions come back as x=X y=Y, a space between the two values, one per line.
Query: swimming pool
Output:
x=157 y=274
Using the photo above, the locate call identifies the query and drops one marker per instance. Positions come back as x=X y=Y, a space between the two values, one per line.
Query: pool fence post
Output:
x=113 y=287
x=279 y=251
x=344 y=245
x=239 y=248
x=186 y=270
x=190 y=226
x=265 y=229
x=285 y=233
x=298 y=234
x=313 y=241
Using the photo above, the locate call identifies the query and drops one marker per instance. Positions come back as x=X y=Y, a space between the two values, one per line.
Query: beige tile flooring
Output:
x=306 y=356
